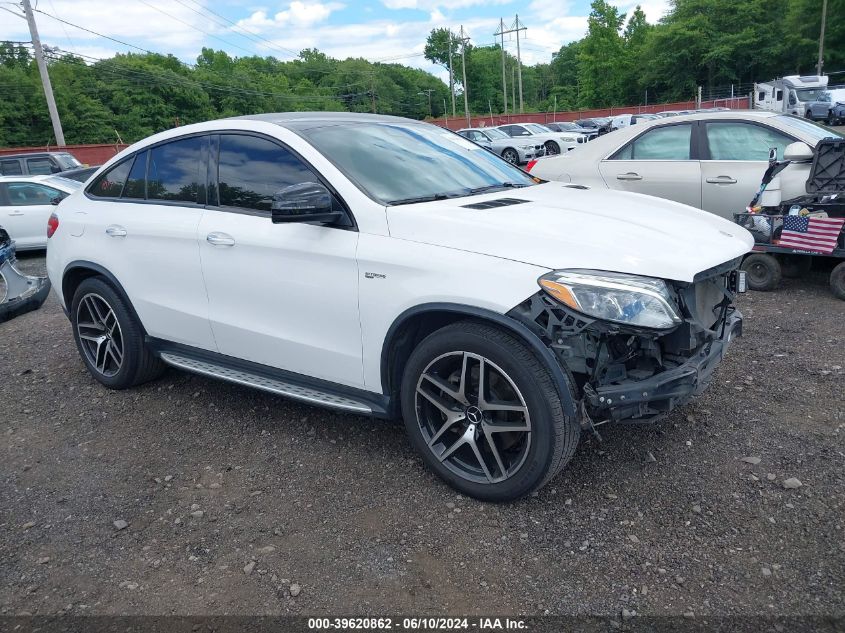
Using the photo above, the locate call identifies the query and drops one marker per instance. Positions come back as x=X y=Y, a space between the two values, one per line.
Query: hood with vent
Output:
x=557 y=226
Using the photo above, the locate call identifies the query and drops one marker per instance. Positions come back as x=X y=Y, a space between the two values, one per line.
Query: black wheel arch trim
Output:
x=514 y=327
x=97 y=269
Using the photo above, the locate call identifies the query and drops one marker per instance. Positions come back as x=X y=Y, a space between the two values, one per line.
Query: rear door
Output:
x=26 y=208
x=660 y=162
x=142 y=226
x=734 y=156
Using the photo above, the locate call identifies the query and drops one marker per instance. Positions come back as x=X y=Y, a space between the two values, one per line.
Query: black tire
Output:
x=837 y=281
x=794 y=266
x=808 y=115
x=537 y=455
x=511 y=155
x=137 y=364
x=552 y=148
x=763 y=271
x=831 y=120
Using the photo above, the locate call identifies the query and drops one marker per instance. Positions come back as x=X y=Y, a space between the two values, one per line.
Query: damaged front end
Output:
x=626 y=371
x=22 y=293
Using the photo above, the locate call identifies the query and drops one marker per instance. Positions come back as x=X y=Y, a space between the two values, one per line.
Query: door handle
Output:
x=220 y=239
x=115 y=231
x=722 y=180
x=629 y=176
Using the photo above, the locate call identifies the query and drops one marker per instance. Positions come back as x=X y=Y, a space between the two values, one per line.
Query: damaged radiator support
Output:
x=635 y=375
x=23 y=293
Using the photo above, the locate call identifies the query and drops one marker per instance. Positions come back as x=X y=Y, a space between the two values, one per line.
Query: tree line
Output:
x=622 y=60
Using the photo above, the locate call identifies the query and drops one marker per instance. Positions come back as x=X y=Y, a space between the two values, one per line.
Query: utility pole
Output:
x=446 y=112
x=516 y=27
x=501 y=32
x=513 y=87
x=451 y=78
x=464 y=69
x=490 y=105
x=554 y=114
x=429 y=91
x=519 y=61
x=821 y=39
x=373 y=91
x=45 y=78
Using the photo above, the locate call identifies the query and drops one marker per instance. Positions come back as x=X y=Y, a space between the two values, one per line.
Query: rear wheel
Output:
x=484 y=413
x=831 y=120
x=837 y=281
x=763 y=271
x=109 y=338
x=795 y=265
x=552 y=148
x=511 y=156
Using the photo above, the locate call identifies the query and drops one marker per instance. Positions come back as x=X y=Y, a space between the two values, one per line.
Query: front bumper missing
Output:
x=24 y=293
x=647 y=400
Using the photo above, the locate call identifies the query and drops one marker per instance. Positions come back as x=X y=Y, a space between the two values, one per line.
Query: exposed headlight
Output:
x=627 y=299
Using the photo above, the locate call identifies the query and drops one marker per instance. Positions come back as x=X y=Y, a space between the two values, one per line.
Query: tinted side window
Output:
x=39 y=166
x=135 y=183
x=743 y=141
x=27 y=194
x=671 y=142
x=10 y=167
x=252 y=169
x=174 y=171
x=110 y=184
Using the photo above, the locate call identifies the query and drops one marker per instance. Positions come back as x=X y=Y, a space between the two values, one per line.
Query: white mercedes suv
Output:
x=388 y=267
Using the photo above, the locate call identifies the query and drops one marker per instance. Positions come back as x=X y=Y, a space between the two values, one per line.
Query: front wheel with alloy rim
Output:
x=552 y=148
x=484 y=414
x=109 y=338
x=511 y=156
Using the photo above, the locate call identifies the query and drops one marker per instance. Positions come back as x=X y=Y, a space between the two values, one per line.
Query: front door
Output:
x=657 y=163
x=282 y=295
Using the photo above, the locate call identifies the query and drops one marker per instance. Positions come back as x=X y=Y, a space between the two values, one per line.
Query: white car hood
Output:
x=564 y=227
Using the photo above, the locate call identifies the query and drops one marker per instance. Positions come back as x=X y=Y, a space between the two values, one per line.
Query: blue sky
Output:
x=383 y=30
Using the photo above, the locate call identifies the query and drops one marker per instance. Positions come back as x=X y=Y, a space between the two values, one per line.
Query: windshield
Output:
x=809 y=94
x=67 y=161
x=494 y=133
x=537 y=128
x=396 y=163
x=805 y=127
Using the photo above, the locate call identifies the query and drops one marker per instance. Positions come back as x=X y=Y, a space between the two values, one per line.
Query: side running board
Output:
x=273 y=385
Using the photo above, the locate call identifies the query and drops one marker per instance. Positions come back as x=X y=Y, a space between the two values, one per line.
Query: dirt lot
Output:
x=235 y=500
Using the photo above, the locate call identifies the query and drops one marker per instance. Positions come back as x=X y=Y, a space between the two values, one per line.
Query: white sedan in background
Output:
x=710 y=160
x=26 y=203
x=554 y=142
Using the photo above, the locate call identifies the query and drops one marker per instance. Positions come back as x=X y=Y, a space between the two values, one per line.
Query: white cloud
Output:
x=430 y=5
x=298 y=14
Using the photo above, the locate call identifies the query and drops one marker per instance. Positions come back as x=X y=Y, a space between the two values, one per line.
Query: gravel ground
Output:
x=190 y=496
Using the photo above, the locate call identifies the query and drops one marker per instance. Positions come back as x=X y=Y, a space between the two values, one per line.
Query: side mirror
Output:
x=305 y=202
x=56 y=200
x=798 y=152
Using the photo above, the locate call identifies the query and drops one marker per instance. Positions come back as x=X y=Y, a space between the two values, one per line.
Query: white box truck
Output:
x=789 y=94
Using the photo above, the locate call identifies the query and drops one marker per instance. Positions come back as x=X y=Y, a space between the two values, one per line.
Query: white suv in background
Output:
x=387 y=267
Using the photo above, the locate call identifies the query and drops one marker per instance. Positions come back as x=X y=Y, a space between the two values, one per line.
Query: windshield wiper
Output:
x=498 y=185
x=431 y=198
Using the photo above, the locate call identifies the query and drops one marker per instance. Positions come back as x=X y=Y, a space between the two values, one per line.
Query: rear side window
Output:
x=10 y=168
x=135 y=184
x=110 y=184
x=175 y=171
x=39 y=166
x=253 y=169
x=671 y=142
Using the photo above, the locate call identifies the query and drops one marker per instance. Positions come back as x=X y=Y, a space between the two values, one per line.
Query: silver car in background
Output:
x=515 y=151
x=709 y=160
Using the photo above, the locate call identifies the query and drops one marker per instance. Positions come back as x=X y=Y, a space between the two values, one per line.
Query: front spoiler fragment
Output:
x=649 y=399
x=24 y=293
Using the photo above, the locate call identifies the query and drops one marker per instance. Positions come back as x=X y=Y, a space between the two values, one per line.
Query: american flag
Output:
x=811 y=234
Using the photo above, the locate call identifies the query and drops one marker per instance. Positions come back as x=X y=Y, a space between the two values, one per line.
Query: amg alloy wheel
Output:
x=552 y=148
x=99 y=333
x=109 y=337
x=484 y=413
x=473 y=417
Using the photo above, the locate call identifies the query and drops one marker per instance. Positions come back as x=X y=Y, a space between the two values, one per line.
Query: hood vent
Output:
x=492 y=204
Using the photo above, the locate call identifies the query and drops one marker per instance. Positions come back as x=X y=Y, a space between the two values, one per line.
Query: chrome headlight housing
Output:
x=627 y=299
